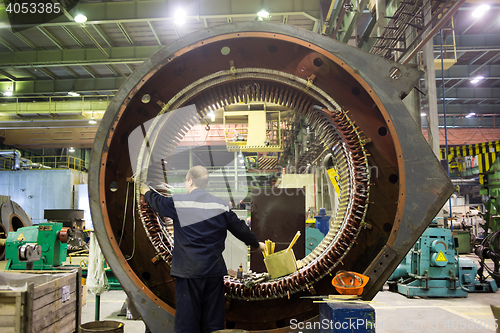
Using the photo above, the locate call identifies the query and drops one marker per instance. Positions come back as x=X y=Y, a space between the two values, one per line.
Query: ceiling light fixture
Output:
x=80 y=18
x=472 y=114
x=180 y=17
x=71 y=150
x=423 y=114
x=480 y=10
x=7 y=93
x=74 y=94
x=263 y=14
x=476 y=79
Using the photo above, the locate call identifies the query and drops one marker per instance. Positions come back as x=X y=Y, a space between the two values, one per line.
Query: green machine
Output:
x=433 y=268
x=43 y=246
x=490 y=245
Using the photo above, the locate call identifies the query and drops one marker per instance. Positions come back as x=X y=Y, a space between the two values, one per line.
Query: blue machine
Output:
x=432 y=269
x=313 y=238
x=322 y=221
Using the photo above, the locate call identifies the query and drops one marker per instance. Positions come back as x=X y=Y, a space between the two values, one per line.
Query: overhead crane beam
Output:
x=138 y=12
x=8 y=45
x=62 y=86
x=70 y=71
x=76 y=57
x=125 y=33
x=52 y=38
x=102 y=34
x=72 y=35
x=155 y=33
x=96 y=43
x=7 y=75
x=25 y=40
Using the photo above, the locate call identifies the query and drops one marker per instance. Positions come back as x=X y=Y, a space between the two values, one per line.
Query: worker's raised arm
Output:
x=241 y=231
x=160 y=203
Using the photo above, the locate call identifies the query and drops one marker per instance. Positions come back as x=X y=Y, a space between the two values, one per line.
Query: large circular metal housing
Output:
x=12 y=217
x=392 y=183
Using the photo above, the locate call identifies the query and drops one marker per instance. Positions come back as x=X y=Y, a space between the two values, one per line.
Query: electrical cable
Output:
x=124 y=215
x=488 y=241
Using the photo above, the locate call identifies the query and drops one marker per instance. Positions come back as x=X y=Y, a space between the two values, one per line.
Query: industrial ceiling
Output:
x=41 y=64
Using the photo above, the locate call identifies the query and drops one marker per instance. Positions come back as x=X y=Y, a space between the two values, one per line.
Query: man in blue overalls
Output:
x=201 y=221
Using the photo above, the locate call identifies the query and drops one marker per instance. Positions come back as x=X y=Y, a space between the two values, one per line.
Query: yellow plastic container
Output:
x=280 y=263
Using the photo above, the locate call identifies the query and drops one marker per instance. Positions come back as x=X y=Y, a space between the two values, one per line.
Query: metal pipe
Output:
x=97 y=308
x=17 y=157
x=444 y=119
x=339 y=23
x=328 y=16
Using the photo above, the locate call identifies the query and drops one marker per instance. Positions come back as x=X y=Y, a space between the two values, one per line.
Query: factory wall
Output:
x=37 y=190
x=299 y=181
x=81 y=201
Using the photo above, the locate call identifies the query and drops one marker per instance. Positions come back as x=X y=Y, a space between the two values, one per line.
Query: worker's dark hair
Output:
x=199 y=175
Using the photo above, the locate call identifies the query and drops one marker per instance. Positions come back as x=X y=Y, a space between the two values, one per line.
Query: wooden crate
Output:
x=40 y=301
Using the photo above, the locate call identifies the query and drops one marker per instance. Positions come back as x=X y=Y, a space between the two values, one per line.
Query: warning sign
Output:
x=441 y=257
x=20 y=237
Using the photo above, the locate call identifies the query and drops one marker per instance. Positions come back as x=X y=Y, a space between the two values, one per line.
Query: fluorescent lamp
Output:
x=480 y=10
x=263 y=14
x=476 y=79
x=472 y=114
x=74 y=94
x=180 y=17
x=80 y=18
x=7 y=93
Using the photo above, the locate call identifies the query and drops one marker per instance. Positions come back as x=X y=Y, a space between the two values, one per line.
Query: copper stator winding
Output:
x=335 y=130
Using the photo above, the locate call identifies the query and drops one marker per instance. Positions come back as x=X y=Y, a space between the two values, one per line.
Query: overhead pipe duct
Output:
x=17 y=157
x=392 y=185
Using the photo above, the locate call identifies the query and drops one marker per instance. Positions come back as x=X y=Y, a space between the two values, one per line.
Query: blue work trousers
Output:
x=199 y=305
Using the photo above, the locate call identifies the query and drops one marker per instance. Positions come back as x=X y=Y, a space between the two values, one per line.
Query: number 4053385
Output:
x=33 y=8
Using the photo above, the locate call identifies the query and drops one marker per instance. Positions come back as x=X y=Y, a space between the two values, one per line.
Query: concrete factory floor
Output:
x=394 y=313
x=111 y=304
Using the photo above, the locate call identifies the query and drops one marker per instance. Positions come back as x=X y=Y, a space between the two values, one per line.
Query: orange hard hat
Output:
x=349 y=283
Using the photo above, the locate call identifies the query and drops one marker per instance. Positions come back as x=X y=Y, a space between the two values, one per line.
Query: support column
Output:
x=430 y=90
x=431 y=97
x=381 y=17
x=412 y=101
